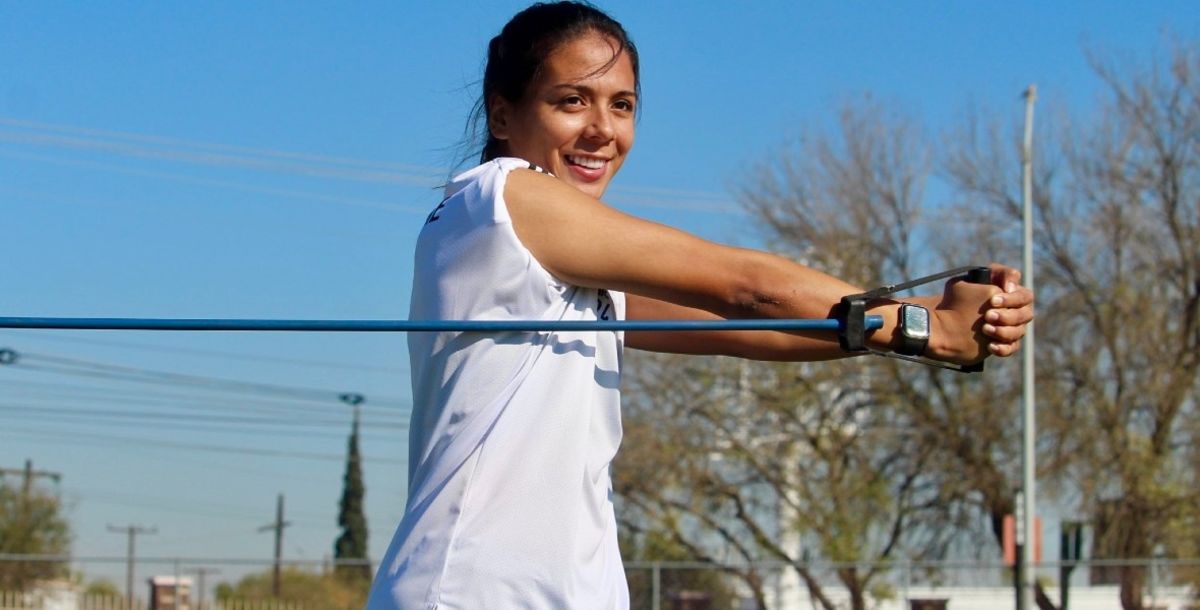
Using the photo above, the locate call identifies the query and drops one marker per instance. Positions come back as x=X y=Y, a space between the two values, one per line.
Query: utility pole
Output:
x=132 y=531
x=28 y=474
x=278 y=527
x=200 y=574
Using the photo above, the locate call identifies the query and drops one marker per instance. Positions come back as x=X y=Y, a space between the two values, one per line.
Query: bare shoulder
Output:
x=531 y=195
x=575 y=236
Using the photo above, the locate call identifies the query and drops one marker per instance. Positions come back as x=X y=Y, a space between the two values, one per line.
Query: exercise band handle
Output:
x=852 y=312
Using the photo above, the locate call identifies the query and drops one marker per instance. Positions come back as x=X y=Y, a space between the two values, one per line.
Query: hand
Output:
x=1010 y=312
x=973 y=321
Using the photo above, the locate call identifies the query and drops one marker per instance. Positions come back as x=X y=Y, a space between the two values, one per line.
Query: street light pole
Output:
x=1028 y=412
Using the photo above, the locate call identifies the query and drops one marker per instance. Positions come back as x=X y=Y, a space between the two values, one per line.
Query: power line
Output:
x=186 y=394
x=223 y=354
x=54 y=395
x=258 y=151
x=197 y=506
x=227 y=184
x=33 y=415
x=77 y=366
x=218 y=159
x=321 y=166
x=39 y=412
x=177 y=446
x=125 y=373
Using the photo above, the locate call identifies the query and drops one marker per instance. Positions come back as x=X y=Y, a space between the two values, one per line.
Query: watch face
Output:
x=916 y=321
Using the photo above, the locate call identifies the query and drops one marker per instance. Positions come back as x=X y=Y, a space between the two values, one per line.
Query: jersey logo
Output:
x=604 y=304
x=434 y=214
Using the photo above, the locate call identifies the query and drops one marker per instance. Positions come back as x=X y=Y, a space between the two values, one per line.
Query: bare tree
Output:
x=790 y=468
x=801 y=463
x=1117 y=200
x=1119 y=293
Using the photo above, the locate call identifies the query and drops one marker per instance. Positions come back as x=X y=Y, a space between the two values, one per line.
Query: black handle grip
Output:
x=978 y=275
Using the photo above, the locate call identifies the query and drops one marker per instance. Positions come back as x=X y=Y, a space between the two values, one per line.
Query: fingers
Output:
x=1018 y=297
x=1004 y=334
x=1004 y=277
x=1004 y=324
x=1017 y=315
x=1004 y=350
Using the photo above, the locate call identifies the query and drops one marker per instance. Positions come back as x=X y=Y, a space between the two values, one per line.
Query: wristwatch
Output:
x=914 y=330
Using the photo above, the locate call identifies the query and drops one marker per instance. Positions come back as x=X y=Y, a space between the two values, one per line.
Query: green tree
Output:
x=103 y=587
x=302 y=587
x=351 y=545
x=31 y=523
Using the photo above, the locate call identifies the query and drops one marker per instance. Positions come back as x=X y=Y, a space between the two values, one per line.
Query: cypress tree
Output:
x=352 y=543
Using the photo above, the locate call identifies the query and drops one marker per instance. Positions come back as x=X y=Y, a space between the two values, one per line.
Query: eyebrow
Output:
x=590 y=91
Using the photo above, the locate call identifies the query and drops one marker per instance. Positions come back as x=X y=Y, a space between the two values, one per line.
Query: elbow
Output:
x=752 y=294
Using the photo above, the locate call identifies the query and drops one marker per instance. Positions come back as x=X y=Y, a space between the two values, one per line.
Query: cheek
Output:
x=564 y=130
x=625 y=134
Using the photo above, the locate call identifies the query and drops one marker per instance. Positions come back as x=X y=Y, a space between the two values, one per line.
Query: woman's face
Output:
x=576 y=119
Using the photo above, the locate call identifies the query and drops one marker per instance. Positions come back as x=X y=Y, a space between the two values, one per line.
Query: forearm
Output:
x=755 y=345
x=775 y=287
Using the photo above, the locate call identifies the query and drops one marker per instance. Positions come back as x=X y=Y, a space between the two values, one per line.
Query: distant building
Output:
x=170 y=593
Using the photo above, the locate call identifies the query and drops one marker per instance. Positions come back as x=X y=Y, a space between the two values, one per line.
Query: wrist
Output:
x=923 y=337
x=937 y=348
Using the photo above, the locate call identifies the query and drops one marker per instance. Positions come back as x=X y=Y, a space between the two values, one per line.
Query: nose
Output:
x=600 y=127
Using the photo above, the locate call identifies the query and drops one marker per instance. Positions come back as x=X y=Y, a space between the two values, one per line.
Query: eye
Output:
x=624 y=105
x=571 y=101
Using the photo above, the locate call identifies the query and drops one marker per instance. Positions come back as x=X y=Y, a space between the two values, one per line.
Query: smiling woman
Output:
x=577 y=118
x=513 y=433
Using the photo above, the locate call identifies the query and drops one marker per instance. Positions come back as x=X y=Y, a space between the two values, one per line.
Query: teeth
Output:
x=587 y=162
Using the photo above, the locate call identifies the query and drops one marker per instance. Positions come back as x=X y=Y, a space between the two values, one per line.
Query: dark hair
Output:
x=516 y=55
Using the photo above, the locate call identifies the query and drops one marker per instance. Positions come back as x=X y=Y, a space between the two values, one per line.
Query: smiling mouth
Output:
x=586 y=162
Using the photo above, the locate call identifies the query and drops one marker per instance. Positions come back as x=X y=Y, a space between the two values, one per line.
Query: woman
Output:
x=512 y=434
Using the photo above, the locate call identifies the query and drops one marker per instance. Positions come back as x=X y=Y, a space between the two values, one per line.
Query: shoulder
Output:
x=490 y=177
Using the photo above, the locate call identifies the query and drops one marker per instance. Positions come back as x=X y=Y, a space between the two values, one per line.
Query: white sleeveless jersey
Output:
x=512 y=434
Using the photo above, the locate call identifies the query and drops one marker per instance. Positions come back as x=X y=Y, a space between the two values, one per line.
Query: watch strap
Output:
x=911 y=346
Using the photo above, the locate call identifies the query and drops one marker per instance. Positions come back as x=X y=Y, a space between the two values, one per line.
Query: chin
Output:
x=595 y=190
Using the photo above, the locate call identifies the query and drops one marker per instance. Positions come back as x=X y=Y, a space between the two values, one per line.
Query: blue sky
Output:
x=276 y=160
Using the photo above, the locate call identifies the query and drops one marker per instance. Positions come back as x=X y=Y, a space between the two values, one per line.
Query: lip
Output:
x=586 y=174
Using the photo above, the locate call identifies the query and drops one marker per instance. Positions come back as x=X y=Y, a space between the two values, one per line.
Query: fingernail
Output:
x=997 y=300
x=992 y=316
x=988 y=328
x=1009 y=287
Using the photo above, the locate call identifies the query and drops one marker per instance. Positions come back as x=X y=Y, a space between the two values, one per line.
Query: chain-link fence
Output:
x=1164 y=584
x=103 y=583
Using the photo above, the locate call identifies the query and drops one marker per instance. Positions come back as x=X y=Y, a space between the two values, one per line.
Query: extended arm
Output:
x=671 y=274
